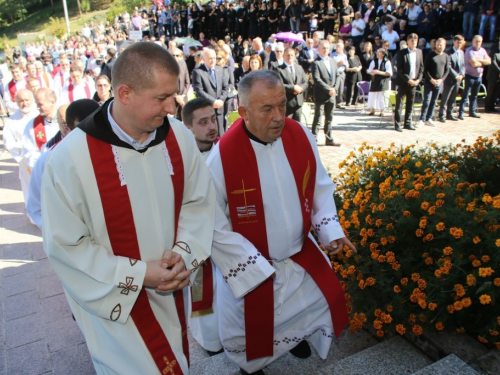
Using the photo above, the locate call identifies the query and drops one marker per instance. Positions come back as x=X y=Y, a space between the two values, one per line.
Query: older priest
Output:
x=128 y=214
x=272 y=194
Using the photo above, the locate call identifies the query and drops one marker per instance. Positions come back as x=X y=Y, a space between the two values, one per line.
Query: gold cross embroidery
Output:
x=128 y=286
x=244 y=211
x=39 y=135
x=170 y=366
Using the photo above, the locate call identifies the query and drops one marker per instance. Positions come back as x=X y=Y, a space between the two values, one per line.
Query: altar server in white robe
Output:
x=62 y=77
x=17 y=82
x=41 y=128
x=272 y=187
x=13 y=134
x=199 y=117
x=76 y=88
x=68 y=116
x=128 y=215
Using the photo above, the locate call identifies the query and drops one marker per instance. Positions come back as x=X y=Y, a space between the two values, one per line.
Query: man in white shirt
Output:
x=358 y=29
x=342 y=64
x=392 y=37
x=13 y=133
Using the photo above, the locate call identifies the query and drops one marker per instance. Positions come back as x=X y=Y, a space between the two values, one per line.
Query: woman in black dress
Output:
x=367 y=57
x=329 y=19
x=352 y=77
x=252 y=22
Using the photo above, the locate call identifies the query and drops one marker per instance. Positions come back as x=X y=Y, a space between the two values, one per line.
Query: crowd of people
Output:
x=128 y=165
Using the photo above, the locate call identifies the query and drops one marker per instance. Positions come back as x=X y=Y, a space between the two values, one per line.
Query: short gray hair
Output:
x=269 y=77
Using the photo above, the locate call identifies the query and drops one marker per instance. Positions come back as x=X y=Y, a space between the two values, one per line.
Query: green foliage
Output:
x=85 y=5
x=57 y=27
x=426 y=223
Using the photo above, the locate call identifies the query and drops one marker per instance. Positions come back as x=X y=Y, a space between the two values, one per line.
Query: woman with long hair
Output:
x=367 y=57
x=255 y=63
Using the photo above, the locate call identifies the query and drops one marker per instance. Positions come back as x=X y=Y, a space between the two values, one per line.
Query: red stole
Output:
x=71 y=88
x=13 y=89
x=123 y=237
x=246 y=209
x=39 y=131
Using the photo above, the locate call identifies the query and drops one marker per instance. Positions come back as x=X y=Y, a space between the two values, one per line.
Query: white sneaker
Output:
x=419 y=123
x=430 y=123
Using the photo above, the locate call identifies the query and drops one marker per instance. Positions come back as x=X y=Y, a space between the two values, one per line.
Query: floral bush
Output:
x=426 y=224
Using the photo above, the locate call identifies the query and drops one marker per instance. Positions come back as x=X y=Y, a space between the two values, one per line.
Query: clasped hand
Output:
x=168 y=274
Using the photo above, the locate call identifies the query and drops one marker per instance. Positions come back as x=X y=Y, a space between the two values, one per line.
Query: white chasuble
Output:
x=300 y=309
x=101 y=287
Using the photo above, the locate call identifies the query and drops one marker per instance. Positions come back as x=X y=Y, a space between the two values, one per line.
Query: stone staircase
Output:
x=362 y=354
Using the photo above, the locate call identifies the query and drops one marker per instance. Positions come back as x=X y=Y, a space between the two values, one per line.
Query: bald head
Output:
x=61 y=120
x=140 y=64
x=209 y=58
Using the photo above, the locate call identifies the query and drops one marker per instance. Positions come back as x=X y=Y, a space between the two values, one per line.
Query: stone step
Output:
x=450 y=365
x=347 y=345
x=395 y=356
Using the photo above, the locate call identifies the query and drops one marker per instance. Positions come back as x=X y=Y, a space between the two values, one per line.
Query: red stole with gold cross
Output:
x=123 y=237
x=246 y=209
x=39 y=131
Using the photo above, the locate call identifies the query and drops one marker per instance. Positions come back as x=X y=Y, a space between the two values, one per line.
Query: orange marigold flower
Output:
x=485 y=299
x=412 y=318
x=482 y=339
x=450 y=309
x=373 y=246
x=485 y=258
x=432 y=210
x=432 y=306
x=437 y=273
x=467 y=302
x=351 y=270
x=377 y=313
x=429 y=237
x=476 y=263
x=447 y=250
x=440 y=226
x=378 y=222
x=370 y=281
x=496 y=282
x=422 y=284
x=396 y=266
x=377 y=324
x=383 y=241
x=404 y=281
x=476 y=240
x=380 y=333
x=389 y=226
x=392 y=239
x=439 y=326
x=417 y=330
x=497 y=243
x=419 y=233
x=471 y=280
x=391 y=259
x=370 y=232
x=400 y=329
x=422 y=303
x=381 y=258
x=424 y=206
x=386 y=318
x=456 y=232
x=440 y=195
x=429 y=261
x=459 y=289
x=389 y=308
x=381 y=207
x=485 y=271
x=408 y=213
x=439 y=202
x=493 y=333
x=415 y=277
x=422 y=223
x=397 y=289
x=362 y=284
x=457 y=305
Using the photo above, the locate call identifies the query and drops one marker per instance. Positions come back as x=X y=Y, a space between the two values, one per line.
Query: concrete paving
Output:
x=37 y=332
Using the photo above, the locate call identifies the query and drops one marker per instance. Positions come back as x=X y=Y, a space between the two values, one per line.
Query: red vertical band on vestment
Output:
x=205 y=305
x=39 y=131
x=71 y=88
x=122 y=233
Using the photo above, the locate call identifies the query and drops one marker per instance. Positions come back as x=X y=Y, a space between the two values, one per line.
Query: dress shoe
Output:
x=442 y=119
x=302 y=350
x=398 y=129
x=461 y=116
x=259 y=372
x=452 y=118
x=475 y=115
x=332 y=143
x=340 y=106
x=211 y=354
x=410 y=127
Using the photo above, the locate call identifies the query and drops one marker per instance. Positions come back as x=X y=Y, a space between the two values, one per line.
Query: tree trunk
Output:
x=79 y=7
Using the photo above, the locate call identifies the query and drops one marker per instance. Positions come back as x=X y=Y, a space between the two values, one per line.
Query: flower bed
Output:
x=426 y=225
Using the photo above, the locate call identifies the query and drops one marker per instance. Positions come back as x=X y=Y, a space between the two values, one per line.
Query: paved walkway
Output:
x=37 y=332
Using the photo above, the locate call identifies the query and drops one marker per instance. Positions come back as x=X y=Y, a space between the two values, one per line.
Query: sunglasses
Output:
x=219 y=58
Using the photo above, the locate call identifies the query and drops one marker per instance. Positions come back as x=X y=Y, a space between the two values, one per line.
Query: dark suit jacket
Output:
x=403 y=64
x=323 y=82
x=204 y=87
x=265 y=59
x=238 y=75
x=191 y=63
x=494 y=70
x=274 y=65
x=107 y=67
x=290 y=81
x=183 y=80
x=455 y=68
x=304 y=57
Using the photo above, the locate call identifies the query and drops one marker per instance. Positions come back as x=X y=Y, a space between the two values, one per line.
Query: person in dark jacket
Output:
x=295 y=14
x=493 y=83
x=471 y=8
x=353 y=76
x=108 y=66
x=490 y=12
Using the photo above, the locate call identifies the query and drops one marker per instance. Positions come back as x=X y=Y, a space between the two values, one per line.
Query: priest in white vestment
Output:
x=13 y=134
x=18 y=82
x=299 y=306
x=76 y=88
x=128 y=217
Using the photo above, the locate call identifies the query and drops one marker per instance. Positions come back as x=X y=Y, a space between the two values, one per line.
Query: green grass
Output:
x=37 y=22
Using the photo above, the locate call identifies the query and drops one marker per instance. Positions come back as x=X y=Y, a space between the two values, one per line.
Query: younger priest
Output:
x=271 y=195
x=76 y=88
x=128 y=217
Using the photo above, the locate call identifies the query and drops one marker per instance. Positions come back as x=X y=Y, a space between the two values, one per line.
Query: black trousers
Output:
x=329 y=108
x=448 y=98
x=294 y=112
x=408 y=92
x=493 y=94
x=351 y=95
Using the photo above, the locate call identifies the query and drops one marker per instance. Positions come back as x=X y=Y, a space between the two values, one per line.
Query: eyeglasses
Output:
x=279 y=51
x=177 y=55
x=103 y=85
x=219 y=58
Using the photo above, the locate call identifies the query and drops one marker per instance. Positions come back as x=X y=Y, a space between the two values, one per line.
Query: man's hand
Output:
x=336 y=246
x=180 y=100
x=168 y=274
x=332 y=92
x=297 y=89
x=218 y=103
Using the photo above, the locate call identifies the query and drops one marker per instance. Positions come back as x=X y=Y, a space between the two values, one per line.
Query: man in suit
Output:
x=307 y=56
x=209 y=81
x=295 y=83
x=240 y=71
x=493 y=83
x=279 y=51
x=452 y=81
x=108 y=66
x=183 y=83
x=324 y=71
x=410 y=64
x=259 y=50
